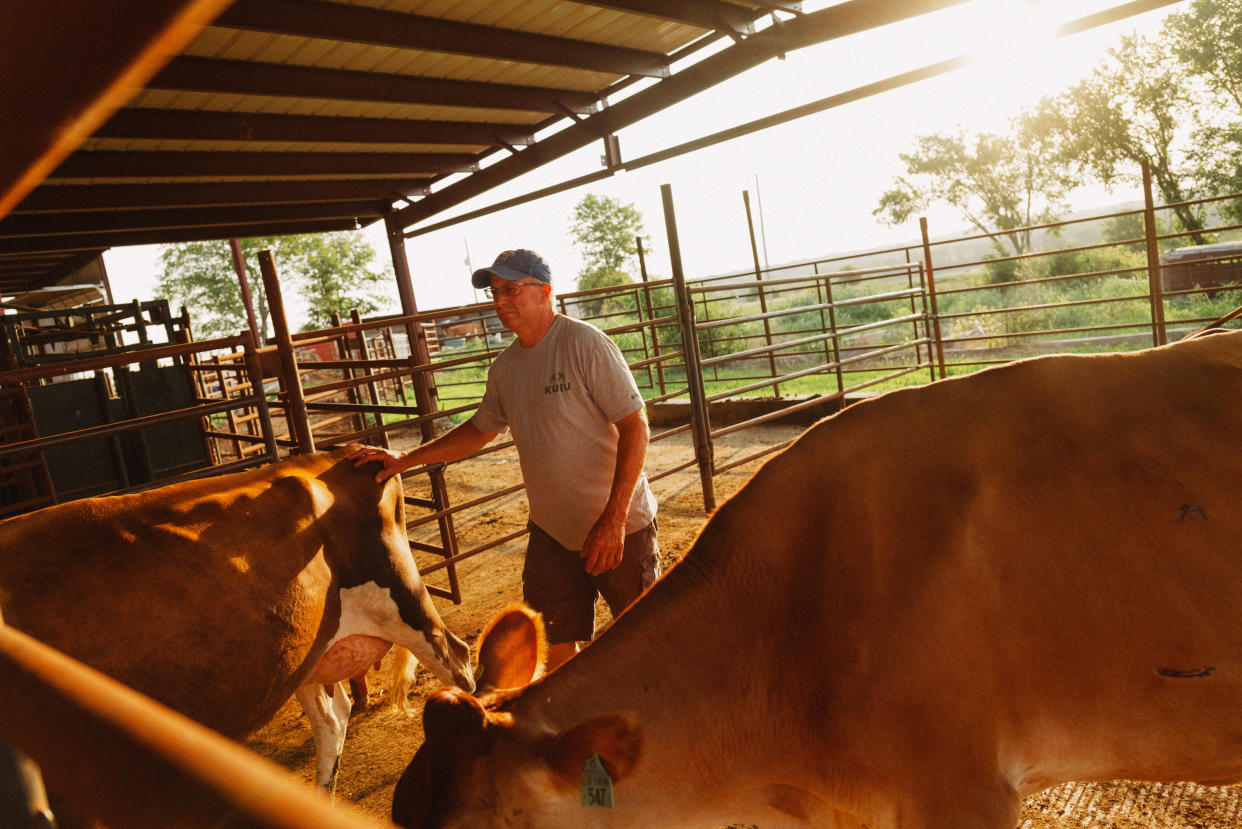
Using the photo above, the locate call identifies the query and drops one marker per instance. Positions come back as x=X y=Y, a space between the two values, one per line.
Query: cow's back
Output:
x=1034 y=558
x=179 y=591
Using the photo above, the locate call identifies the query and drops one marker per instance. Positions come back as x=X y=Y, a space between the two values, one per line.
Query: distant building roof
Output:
x=1202 y=252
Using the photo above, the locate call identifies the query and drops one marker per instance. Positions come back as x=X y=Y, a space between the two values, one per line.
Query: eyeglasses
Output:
x=509 y=290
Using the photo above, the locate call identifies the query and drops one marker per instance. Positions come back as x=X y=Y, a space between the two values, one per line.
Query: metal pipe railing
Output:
x=118 y=757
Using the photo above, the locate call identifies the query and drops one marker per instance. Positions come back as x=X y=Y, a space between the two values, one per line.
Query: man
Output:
x=565 y=392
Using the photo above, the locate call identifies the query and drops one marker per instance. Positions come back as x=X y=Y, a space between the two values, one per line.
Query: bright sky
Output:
x=815 y=181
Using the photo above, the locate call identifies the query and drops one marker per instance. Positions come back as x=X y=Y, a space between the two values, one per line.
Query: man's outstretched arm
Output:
x=462 y=440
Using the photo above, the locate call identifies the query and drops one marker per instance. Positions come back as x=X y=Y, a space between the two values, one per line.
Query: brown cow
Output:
x=222 y=597
x=929 y=606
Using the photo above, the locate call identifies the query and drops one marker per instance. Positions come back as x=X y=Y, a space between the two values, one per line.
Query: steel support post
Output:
x=763 y=299
x=700 y=424
x=835 y=356
x=653 y=329
x=364 y=353
x=931 y=296
x=254 y=370
x=423 y=398
x=1155 y=279
x=295 y=408
x=243 y=284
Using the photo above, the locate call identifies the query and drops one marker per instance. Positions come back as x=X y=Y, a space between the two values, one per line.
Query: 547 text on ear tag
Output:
x=595 y=788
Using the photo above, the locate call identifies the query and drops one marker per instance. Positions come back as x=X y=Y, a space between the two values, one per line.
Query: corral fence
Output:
x=107 y=418
x=766 y=343
x=116 y=756
x=712 y=355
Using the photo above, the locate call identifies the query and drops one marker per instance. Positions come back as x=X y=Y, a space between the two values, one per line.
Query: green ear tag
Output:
x=595 y=788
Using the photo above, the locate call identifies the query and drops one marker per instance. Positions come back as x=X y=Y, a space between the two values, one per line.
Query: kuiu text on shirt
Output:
x=556 y=383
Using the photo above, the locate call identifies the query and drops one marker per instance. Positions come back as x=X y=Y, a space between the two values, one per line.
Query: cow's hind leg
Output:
x=329 y=718
x=360 y=691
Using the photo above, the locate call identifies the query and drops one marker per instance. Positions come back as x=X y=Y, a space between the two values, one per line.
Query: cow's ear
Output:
x=617 y=738
x=511 y=650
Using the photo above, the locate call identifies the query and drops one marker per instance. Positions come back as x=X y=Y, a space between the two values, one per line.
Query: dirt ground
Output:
x=381 y=741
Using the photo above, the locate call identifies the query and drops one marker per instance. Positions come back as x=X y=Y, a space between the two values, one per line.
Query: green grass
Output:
x=978 y=313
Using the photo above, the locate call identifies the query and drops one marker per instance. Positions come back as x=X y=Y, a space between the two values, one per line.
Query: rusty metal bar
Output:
x=914 y=302
x=108 y=429
x=832 y=328
x=806 y=404
x=243 y=285
x=457 y=558
x=236 y=437
x=803 y=309
x=224 y=392
x=25 y=375
x=763 y=300
x=390 y=347
x=793 y=375
x=854 y=329
x=423 y=396
x=438 y=513
x=297 y=418
x=372 y=392
x=1155 y=287
x=699 y=417
x=754 y=456
x=1043 y=306
x=341 y=341
x=354 y=382
x=860 y=275
x=931 y=295
x=660 y=398
x=663 y=358
x=125 y=760
x=392 y=365
x=254 y=373
x=360 y=408
x=651 y=317
x=1015 y=335
x=673 y=470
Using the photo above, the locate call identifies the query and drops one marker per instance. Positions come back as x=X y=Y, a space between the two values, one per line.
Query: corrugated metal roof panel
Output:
x=150 y=145
x=300 y=68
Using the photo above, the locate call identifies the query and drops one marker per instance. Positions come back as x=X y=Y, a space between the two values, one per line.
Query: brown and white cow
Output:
x=929 y=606
x=222 y=597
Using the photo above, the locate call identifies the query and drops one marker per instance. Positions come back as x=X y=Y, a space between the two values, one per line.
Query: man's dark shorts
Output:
x=556 y=584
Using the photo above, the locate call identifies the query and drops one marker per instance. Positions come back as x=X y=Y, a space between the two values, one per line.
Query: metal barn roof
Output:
x=154 y=121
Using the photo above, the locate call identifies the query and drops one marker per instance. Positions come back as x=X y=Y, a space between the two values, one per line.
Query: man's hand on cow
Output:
x=393 y=463
x=604 y=546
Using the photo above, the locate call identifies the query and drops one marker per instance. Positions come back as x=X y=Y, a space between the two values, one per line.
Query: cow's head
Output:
x=479 y=767
x=381 y=592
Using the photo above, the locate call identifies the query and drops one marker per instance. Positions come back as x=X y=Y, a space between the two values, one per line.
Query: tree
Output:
x=200 y=276
x=1127 y=227
x=335 y=275
x=607 y=232
x=996 y=183
x=602 y=278
x=1130 y=110
x=332 y=272
x=1207 y=40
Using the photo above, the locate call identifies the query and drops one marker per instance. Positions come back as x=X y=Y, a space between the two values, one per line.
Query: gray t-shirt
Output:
x=560 y=400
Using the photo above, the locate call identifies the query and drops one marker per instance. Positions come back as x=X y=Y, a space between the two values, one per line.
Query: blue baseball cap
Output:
x=513 y=265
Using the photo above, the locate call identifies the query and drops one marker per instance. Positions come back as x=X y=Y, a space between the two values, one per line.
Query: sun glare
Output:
x=1011 y=44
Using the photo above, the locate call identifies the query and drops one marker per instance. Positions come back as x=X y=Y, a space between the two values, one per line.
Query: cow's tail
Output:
x=401 y=682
